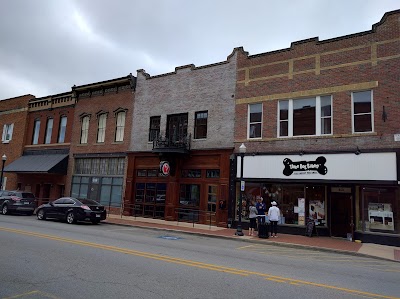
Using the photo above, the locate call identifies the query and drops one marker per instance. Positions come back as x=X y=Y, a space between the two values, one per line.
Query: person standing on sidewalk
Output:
x=252 y=218
x=261 y=209
x=273 y=214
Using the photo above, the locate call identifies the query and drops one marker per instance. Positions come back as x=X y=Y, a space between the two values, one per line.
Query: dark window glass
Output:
x=189 y=195
x=212 y=173
x=191 y=173
x=200 y=125
x=255 y=120
x=362 y=106
x=154 y=130
x=304 y=117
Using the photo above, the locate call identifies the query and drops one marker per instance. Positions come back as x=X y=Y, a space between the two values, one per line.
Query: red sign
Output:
x=164 y=167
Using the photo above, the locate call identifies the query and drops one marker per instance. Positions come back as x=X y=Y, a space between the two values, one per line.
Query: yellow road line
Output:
x=193 y=263
x=21 y=295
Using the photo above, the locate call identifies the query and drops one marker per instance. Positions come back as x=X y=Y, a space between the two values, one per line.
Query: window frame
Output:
x=85 y=120
x=36 y=131
x=154 y=132
x=198 y=124
x=7 y=133
x=120 y=126
x=249 y=123
x=318 y=118
x=49 y=130
x=62 y=130
x=101 y=130
x=358 y=114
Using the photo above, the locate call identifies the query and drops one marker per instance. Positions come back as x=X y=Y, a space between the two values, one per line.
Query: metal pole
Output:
x=2 y=172
x=239 y=231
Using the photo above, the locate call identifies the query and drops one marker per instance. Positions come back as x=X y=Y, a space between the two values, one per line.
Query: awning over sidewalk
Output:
x=39 y=164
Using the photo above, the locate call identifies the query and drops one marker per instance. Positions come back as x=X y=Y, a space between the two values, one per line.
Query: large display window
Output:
x=295 y=201
x=379 y=210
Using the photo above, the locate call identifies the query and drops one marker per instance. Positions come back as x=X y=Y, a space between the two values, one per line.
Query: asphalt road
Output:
x=51 y=259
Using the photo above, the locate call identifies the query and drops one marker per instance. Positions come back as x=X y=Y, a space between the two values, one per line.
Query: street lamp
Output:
x=3 y=158
x=242 y=151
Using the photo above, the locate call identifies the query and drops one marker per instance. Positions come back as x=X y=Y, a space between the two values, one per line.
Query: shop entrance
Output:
x=341 y=209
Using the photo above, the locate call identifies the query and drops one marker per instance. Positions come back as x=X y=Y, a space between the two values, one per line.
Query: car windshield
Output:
x=88 y=202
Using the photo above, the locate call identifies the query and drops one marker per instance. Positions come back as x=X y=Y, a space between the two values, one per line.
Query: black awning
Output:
x=39 y=164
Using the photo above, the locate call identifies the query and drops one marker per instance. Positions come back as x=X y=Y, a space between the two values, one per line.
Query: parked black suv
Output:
x=17 y=201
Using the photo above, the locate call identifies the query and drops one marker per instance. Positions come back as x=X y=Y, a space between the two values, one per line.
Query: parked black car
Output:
x=17 y=202
x=72 y=210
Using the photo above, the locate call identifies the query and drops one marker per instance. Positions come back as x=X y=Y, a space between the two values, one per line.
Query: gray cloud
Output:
x=47 y=46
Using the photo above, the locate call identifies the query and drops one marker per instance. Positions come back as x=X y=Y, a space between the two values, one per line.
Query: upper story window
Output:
x=85 y=129
x=49 y=130
x=362 y=108
x=62 y=129
x=154 y=130
x=305 y=117
x=255 y=120
x=120 y=126
x=36 y=130
x=7 y=133
x=200 y=125
x=101 y=130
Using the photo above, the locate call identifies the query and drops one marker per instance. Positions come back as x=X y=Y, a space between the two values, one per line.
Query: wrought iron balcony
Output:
x=179 y=144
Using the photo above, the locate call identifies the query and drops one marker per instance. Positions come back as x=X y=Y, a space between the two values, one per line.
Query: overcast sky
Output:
x=47 y=46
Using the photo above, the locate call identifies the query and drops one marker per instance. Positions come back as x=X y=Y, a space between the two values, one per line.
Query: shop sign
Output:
x=305 y=167
x=165 y=168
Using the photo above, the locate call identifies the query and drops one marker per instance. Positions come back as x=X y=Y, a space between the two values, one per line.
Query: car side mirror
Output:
x=51 y=203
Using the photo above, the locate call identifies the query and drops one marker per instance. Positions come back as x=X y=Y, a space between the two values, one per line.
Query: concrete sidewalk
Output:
x=315 y=243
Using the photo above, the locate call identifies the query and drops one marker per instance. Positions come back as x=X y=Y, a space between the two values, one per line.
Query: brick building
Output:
x=321 y=123
x=100 y=140
x=183 y=124
x=13 y=115
x=42 y=168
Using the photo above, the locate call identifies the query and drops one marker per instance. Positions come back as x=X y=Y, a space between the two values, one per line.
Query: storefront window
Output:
x=380 y=213
x=296 y=202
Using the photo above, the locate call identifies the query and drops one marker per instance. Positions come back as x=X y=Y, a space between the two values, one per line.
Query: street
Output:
x=52 y=259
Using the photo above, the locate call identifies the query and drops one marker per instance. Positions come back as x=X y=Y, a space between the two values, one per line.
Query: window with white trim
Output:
x=36 y=129
x=7 y=133
x=101 y=130
x=305 y=117
x=362 y=110
x=49 y=131
x=255 y=120
x=85 y=129
x=62 y=129
x=120 y=126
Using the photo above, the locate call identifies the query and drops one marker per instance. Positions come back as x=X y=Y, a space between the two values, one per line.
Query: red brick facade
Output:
x=366 y=60
x=13 y=111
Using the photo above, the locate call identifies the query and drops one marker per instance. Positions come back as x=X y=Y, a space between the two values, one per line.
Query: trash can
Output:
x=263 y=230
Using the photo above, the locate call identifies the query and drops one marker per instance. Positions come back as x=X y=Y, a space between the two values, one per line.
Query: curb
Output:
x=255 y=241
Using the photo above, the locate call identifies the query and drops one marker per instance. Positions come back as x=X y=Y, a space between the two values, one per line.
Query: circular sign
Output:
x=165 y=168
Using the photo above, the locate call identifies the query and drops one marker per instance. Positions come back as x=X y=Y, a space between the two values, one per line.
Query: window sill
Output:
x=117 y=142
x=6 y=141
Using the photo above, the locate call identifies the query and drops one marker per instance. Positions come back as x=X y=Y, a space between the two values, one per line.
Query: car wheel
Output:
x=41 y=215
x=71 y=218
x=4 y=210
x=95 y=221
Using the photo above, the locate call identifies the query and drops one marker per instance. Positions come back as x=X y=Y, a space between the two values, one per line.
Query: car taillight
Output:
x=85 y=207
x=15 y=198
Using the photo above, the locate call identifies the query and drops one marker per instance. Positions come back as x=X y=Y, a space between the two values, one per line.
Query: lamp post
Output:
x=242 y=151
x=3 y=158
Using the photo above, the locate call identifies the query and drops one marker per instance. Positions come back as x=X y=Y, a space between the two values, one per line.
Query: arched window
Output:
x=85 y=129
x=62 y=129
x=101 y=129
x=120 y=126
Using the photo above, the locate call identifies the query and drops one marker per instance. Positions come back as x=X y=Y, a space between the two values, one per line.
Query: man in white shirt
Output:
x=273 y=214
